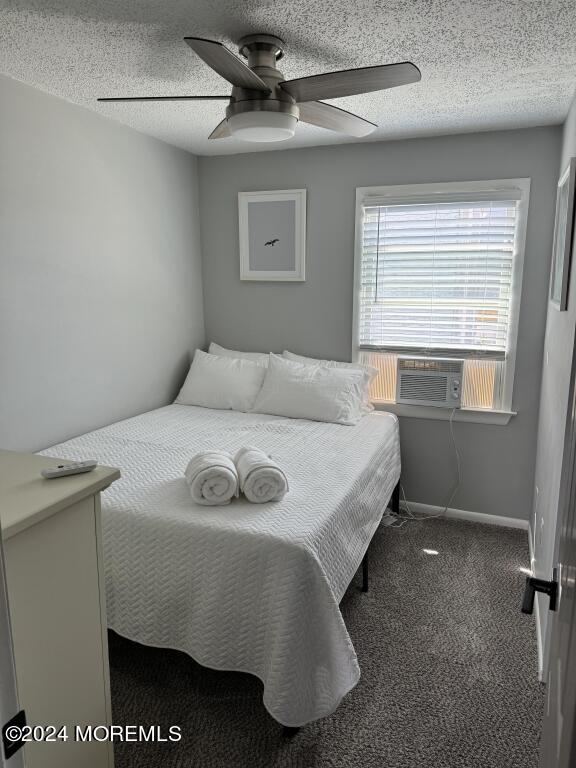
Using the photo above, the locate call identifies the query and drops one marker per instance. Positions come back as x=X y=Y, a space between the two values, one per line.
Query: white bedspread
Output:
x=246 y=587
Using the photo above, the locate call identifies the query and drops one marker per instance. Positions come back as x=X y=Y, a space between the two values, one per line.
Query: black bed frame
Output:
x=394 y=505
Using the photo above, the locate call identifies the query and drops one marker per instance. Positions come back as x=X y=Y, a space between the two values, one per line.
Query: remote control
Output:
x=73 y=468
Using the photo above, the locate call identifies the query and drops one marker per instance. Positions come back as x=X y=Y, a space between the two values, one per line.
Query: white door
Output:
x=558 y=744
x=8 y=692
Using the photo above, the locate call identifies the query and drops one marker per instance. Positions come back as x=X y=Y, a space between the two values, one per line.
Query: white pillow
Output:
x=257 y=357
x=370 y=373
x=315 y=392
x=221 y=382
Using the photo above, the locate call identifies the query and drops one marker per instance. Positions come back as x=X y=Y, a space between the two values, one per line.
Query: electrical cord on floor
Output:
x=410 y=514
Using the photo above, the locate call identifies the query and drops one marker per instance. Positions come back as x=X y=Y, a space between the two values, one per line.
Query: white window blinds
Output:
x=437 y=275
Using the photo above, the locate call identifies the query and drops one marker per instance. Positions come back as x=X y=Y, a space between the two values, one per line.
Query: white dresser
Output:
x=54 y=573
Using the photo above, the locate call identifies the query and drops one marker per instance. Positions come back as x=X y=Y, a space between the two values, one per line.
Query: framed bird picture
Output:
x=563 y=237
x=272 y=235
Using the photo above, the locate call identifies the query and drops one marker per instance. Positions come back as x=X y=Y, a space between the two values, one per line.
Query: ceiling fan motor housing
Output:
x=262 y=52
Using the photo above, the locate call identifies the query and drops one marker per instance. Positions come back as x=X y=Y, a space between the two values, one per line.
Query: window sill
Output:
x=473 y=415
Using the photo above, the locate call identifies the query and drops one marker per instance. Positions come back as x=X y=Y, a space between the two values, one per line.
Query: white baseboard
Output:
x=464 y=514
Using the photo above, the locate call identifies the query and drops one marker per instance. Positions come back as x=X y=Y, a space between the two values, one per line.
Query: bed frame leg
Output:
x=365 y=573
x=395 y=499
x=288 y=731
x=395 y=507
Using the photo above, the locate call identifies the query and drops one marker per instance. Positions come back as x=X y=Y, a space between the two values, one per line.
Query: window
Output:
x=439 y=272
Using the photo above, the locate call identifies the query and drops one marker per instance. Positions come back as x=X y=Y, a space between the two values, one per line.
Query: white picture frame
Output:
x=563 y=237
x=272 y=229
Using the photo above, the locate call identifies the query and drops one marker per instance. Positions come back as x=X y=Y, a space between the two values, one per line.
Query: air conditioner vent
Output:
x=429 y=381
x=432 y=364
x=423 y=387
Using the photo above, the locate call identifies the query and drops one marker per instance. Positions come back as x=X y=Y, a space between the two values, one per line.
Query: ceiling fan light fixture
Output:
x=262 y=126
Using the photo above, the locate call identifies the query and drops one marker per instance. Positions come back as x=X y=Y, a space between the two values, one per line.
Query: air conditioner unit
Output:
x=429 y=381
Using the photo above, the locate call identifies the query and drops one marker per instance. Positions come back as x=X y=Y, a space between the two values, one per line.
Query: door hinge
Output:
x=12 y=735
x=534 y=585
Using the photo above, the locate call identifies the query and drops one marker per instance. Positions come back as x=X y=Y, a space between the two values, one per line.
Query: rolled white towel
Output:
x=212 y=478
x=261 y=479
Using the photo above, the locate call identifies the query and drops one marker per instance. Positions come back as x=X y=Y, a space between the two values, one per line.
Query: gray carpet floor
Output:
x=448 y=671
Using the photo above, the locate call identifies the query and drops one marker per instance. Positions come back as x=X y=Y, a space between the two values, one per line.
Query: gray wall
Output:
x=100 y=269
x=315 y=317
x=558 y=354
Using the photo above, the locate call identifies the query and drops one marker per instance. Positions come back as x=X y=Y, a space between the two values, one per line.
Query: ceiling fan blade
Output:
x=334 y=118
x=229 y=66
x=221 y=131
x=349 y=82
x=166 y=98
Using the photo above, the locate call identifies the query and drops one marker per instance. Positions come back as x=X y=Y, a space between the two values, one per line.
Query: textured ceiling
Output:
x=485 y=63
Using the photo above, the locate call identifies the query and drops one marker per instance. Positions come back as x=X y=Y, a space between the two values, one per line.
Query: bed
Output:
x=244 y=587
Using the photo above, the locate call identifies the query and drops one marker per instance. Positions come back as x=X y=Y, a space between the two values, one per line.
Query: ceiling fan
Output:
x=265 y=107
